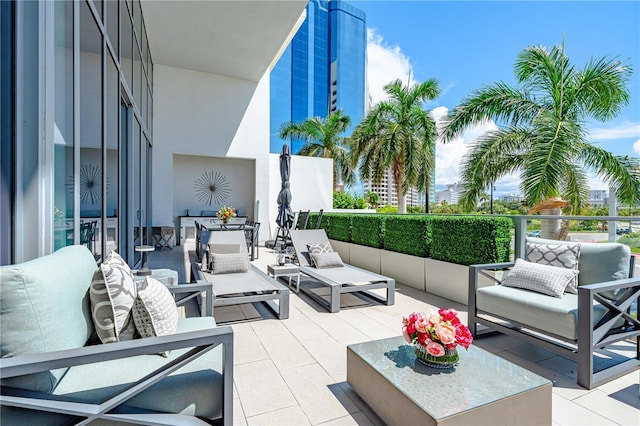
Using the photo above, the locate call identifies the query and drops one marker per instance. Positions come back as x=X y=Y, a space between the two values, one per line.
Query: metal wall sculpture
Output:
x=212 y=188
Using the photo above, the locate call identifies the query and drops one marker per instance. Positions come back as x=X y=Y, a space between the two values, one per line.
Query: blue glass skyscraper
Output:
x=322 y=70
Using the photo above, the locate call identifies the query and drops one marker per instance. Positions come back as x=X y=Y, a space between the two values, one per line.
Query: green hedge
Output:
x=469 y=240
x=458 y=239
x=408 y=234
x=339 y=226
x=368 y=230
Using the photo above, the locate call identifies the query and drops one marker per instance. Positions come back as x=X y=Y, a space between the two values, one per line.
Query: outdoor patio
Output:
x=293 y=371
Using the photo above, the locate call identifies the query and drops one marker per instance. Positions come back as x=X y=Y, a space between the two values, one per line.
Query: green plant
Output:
x=368 y=230
x=344 y=200
x=408 y=234
x=469 y=240
x=398 y=135
x=387 y=209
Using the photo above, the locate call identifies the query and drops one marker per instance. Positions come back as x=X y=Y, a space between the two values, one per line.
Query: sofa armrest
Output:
x=474 y=275
x=34 y=363
x=195 y=290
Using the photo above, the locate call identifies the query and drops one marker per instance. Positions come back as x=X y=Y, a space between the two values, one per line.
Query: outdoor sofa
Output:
x=53 y=373
x=341 y=279
x=581 y=326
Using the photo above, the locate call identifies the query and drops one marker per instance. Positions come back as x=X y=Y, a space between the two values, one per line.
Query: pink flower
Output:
x=423 y=338
x=433 y=317
x=448 y=314
x=405 y=320
x=435 y=349
x=445 y=332
x=422 y=325
x=406 y=335
x=411 y=327
x=464 y=336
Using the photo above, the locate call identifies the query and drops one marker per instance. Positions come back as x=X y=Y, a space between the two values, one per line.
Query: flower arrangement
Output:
x=436 y=334
x=225 y=213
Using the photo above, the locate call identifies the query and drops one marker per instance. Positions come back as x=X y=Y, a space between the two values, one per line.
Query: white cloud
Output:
x=636 y=147
x=385 y=63
x=622 y=131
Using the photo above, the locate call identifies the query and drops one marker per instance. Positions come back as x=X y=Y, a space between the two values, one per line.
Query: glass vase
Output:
x=448 y=360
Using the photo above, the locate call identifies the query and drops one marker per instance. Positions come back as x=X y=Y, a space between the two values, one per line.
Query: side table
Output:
x=167 y=277
x=287 y=270
x=144 y=269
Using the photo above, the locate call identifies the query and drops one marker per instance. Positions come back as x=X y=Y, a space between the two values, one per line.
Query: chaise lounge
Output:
x=341 y=279
x=55 y=371
x=581 y=326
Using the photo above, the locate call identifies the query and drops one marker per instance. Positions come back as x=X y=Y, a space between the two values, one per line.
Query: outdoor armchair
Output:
x=583 y=327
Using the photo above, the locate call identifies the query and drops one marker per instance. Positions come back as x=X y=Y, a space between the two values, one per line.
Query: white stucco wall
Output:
x=199 y=114
x=311 y=184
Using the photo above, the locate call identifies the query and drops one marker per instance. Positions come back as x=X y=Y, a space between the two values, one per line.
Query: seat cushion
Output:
x=557 y=315
x=195 y=389
x=44 y=307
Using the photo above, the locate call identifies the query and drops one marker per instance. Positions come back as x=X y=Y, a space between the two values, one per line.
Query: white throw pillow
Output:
x=229 y=263
x=154 y=311
x=112 y=294
x=560 y=255
x=327 y=260
x=545 y=279
x=315 y=248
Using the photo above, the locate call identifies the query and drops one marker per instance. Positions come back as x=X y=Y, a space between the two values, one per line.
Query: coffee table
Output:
x=483 y=389
x=287 y=270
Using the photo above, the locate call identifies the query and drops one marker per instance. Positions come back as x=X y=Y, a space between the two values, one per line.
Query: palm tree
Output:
x=542 y=134
x=398 y=134
x=323 y=138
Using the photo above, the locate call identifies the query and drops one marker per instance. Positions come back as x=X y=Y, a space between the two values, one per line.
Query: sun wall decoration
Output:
x=212 y=187
x=90 y=184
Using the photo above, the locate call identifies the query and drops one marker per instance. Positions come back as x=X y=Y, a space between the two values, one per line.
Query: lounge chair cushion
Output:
x=545 y=279
x=113 y=291
x=229 y=263
x=154 y=311
x=327 y=260
x=45 y=308
x=560 y=255
x=314 y=248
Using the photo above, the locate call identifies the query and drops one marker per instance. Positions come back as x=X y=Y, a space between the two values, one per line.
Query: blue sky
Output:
x=466 y=45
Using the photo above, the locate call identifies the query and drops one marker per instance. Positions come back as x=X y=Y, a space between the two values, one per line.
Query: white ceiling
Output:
x=234 y=38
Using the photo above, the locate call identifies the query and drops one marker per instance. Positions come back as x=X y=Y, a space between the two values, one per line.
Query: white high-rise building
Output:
x=386 y=190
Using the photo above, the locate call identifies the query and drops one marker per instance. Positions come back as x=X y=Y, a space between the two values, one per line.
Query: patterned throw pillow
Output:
x=229 y=263
x=314 y=248
x=113 y=291
x=560 y=255
x=327 y=260
x=154 y=310
x=545 y=279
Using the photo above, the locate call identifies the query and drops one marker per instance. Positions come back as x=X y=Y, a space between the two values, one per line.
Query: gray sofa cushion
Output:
x=557 y=315
x=45 y=308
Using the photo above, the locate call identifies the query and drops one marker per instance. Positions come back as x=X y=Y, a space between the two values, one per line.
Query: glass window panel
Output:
x=149 y=112
x=137 y=208
x=126 y=46
x=137 y=18
x=143 y=101
x=145 y=48
x=91 y=173
x=98 y=6
x=113 y=187
x=112 y=25
x=63 y=125
x=137 y=79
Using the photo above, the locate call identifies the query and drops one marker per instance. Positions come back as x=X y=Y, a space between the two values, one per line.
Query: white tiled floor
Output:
x=293 y=371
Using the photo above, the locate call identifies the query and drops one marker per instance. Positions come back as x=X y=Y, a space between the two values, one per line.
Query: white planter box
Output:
x=404 y=268
x=450 y=280
x=343 y=249
x=365 y=257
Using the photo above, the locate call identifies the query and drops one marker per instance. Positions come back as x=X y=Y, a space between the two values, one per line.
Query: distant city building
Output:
x=322 y=69
x=512 y=198
x=386 y=190
x=450 y=195
x=598 y=197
